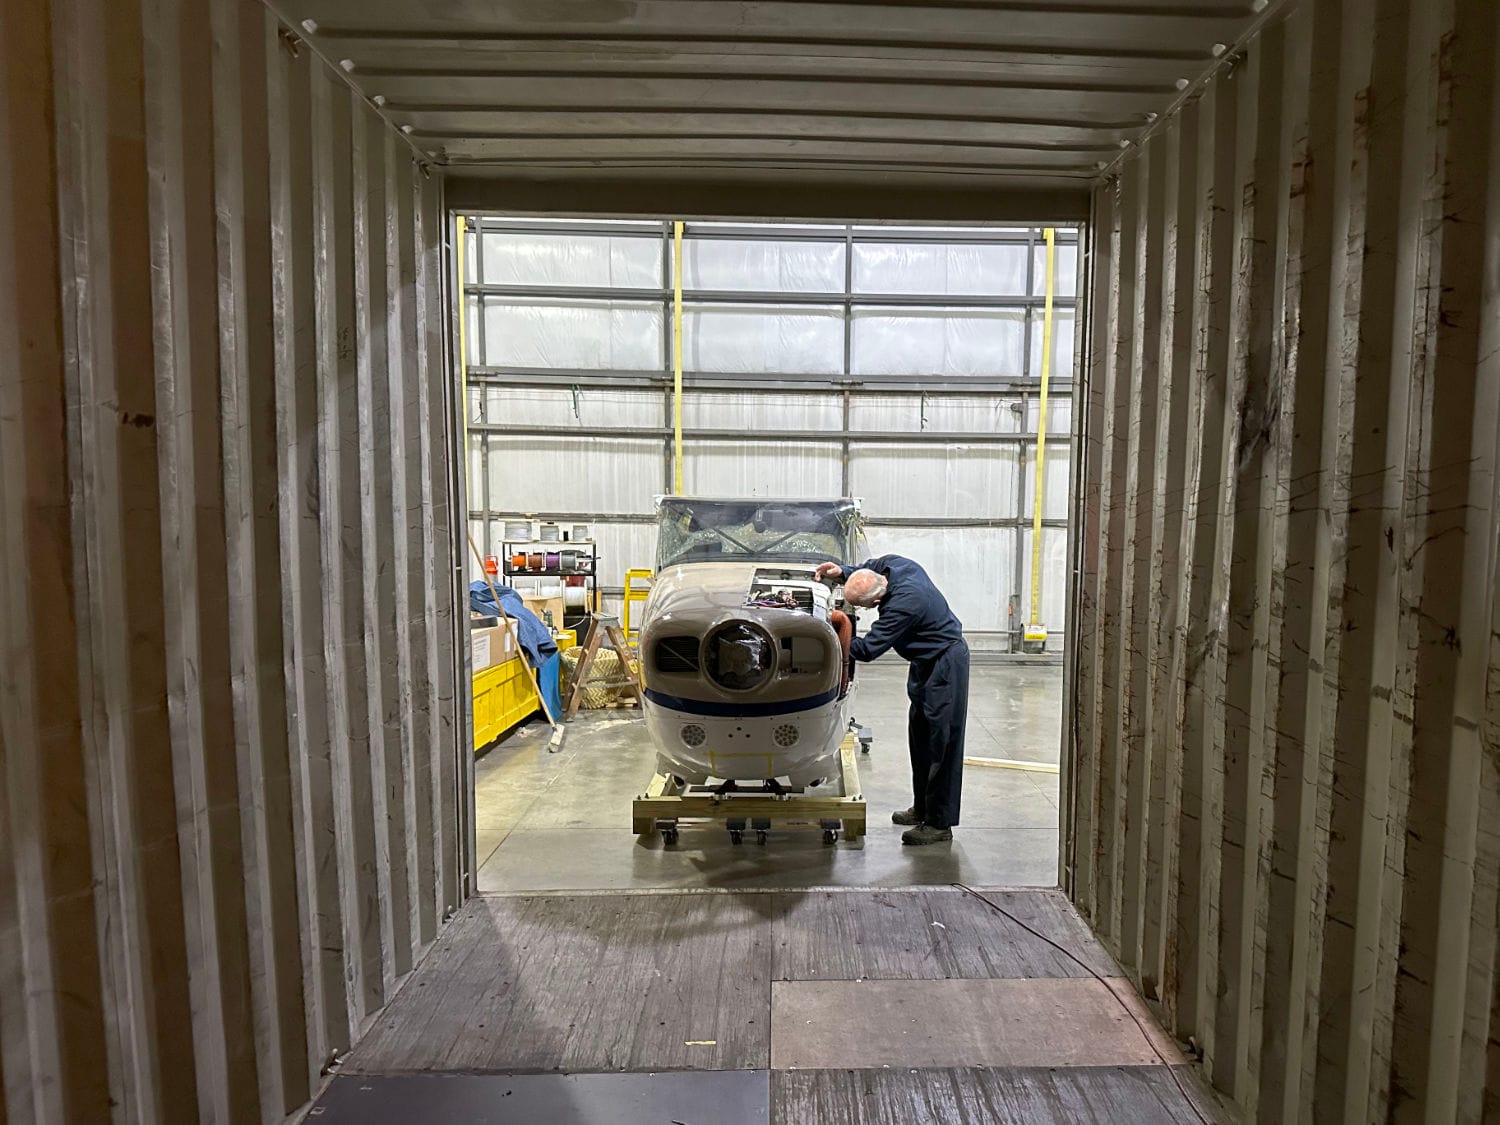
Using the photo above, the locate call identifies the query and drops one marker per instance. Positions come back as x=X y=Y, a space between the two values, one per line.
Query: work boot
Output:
x=906 y=816
x=926 y=834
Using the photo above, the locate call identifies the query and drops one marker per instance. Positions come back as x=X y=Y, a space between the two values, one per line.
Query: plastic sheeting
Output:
x=526 y=258
x=945 y=481
x=973 y=567
x=759 y=339
x=622 y=546
x=1054 y=580
x=562 y=406
x=587 y=335
x=1054 y=485
x=947 y=341
x=1065 y=263
x=583 y=474
x=1062 y=342
x=988 y=414
x=907 y=481
x=767 y=267
x=939 y=270
x=1059 y=415
x=763 y=410
x=772 y=469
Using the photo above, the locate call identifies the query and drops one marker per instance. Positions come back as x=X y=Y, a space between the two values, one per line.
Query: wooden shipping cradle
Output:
x=835 y=807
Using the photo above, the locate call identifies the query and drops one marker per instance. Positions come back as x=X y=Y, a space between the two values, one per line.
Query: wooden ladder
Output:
x=600 y=627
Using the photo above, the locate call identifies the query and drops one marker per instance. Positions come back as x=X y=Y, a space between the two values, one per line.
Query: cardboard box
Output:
x=538 y=605
x=492 y=646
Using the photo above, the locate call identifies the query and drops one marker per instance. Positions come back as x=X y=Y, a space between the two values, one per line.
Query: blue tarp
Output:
x=549 y=675
x=535 y=637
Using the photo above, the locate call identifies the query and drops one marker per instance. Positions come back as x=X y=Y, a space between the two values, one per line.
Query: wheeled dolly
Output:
x=837 y=810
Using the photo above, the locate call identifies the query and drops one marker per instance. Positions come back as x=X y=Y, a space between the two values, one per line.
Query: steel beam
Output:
x=857 y=437
x=936 y=236
x=791 y=382
x=869 y=520
x=761 y=297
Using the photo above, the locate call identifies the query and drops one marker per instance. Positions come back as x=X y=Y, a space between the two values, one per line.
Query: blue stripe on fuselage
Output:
x=739 y=710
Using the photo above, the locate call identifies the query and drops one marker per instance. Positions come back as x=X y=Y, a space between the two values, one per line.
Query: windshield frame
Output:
x=725 y=517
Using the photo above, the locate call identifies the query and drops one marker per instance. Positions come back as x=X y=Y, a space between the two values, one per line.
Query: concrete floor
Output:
x=562 y=821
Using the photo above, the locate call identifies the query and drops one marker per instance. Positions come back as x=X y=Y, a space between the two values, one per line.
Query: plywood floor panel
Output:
x=1064 y=1021
x=654 y=982
x=930 y=935
x=734 y=1097
x=972 y=1096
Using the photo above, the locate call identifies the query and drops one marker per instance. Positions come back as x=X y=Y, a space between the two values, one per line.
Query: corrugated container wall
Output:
x=1284 y=807
x=225 y=570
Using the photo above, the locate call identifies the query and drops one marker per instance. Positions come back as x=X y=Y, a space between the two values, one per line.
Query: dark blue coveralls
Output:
x=915 y=620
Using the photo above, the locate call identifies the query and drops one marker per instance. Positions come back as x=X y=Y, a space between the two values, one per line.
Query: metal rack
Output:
x=533 y=548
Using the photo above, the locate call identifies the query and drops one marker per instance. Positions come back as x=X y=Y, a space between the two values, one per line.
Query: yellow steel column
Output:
x=677 y=358
x=463 y=340
x=1036 y=631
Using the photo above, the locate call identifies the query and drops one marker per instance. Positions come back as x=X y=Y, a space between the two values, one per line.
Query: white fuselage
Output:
x=741 y=692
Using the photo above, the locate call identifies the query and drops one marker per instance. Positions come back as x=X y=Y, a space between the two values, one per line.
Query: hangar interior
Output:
x=896 y=364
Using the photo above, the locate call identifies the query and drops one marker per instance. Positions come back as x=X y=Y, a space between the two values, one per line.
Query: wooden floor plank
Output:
x=626 y=982
x=930 y=935
x=972 y=1096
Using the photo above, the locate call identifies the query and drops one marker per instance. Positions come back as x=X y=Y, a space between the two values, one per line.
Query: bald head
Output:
x=864 y=588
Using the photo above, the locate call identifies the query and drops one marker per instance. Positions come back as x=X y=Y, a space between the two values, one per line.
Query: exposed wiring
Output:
x=1070 y=955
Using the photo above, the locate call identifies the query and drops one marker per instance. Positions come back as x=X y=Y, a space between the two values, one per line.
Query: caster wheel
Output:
x=760 y=837
x=830 y=836
x=736 y=836
x=669 y=837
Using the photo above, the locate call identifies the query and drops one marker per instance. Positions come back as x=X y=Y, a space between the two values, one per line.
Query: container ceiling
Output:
x=1018 y=100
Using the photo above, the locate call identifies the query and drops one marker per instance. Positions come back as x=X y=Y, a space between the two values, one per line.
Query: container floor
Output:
x=739 y=1007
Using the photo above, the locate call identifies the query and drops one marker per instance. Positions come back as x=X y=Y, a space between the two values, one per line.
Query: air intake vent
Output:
x=677 y=654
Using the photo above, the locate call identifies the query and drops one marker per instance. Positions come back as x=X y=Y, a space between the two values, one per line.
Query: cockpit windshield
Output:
x=694 y=530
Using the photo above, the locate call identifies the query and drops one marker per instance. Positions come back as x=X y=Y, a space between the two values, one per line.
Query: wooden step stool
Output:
x=602 y=626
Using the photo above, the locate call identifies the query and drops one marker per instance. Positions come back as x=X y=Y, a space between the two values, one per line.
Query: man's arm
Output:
x=846 y=571
x=893 y=624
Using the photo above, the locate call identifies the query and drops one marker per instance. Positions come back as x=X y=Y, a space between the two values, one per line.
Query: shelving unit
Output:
x=586 y=567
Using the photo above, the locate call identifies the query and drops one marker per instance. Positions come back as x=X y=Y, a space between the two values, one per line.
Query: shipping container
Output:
x=234 y=745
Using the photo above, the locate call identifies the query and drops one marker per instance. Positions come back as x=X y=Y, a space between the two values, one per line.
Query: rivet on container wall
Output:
x=1181 y=83
x=346 y=65
x=406 y=129
x=1217 y=50
x=1258 y=6
x=378 y=99
x=1152 y=116
x=310 y=26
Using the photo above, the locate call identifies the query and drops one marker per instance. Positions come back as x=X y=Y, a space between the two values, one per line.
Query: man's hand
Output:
x=829 y=570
